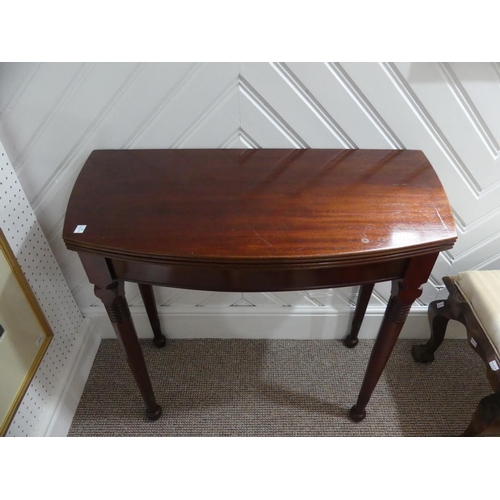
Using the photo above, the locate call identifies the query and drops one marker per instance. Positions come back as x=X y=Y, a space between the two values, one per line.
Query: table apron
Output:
x=255 y=279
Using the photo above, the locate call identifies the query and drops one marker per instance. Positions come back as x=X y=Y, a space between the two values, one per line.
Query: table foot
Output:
x=350 y=342
x=160 y=341
x=155 y=414
x=357 y=416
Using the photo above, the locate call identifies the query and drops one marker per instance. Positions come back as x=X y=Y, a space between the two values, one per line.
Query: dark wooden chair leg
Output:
x=365 y=292
x=439 y=314
x=148 y=298
x=485 y=417
x=456 y=307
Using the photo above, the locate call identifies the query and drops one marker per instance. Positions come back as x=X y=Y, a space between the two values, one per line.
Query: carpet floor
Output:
x=215 y=387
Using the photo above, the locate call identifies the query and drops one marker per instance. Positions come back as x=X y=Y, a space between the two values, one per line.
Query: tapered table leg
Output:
x=365 y=292
x=390 y=328
x=148 y=298
x=403 y=294
x=113 y=298
x=112 y=294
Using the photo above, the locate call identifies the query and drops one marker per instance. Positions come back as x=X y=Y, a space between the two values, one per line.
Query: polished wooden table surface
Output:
x=258 y=220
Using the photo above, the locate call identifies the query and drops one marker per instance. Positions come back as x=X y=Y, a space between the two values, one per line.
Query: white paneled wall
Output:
x=53 y=115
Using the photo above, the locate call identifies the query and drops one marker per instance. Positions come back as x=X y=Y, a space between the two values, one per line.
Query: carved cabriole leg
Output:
x=365 y=292
x=112 y=295
x=403 y=294
x=486 y=416
x=493 y=379
x=487 y=413
x=148 y=298
x=439 y=313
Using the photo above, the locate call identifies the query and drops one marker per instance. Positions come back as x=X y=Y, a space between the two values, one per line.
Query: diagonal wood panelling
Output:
x=53 y=115
x=314 y=105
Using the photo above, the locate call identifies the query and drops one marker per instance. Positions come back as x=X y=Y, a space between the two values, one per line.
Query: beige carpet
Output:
x=280 y=388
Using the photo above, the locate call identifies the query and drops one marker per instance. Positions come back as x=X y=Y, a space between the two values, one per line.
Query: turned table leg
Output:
x=365 y=292
x=403 y=294
x=148 y=298
x=113 y=298
x=112 y=294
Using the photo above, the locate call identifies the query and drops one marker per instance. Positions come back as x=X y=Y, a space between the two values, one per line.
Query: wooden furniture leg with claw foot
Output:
x=474 y=301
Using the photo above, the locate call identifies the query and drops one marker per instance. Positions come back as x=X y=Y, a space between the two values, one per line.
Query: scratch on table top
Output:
x=259 y=236
x=439 y=215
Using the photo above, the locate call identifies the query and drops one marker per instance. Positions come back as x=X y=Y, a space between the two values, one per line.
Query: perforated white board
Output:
x=27 y=241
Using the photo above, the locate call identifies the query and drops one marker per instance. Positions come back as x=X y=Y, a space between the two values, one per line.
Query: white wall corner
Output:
x=61 y=407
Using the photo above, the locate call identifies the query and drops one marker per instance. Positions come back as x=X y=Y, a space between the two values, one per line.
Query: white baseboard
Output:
x=265 y=323
x=61 y=408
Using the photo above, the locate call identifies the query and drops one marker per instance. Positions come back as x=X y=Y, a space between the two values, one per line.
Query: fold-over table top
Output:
x=265 y=206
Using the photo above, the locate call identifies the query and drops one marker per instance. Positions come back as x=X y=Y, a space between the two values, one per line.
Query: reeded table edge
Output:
x=282 y=262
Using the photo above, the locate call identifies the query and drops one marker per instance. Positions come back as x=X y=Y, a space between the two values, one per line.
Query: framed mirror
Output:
x=24 y=335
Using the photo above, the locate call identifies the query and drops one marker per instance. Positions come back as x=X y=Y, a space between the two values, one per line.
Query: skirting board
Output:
x=299 y=324
x=61 y=409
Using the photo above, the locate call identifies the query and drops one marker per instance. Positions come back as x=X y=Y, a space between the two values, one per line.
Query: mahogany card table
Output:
x=258 y=220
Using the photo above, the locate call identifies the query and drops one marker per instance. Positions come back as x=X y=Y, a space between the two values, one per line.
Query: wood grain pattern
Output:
x=259 y=206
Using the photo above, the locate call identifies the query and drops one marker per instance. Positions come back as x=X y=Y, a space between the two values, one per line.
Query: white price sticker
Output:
x=439 y=305
x=473 y=342
x=494 y=365
x=79 y=229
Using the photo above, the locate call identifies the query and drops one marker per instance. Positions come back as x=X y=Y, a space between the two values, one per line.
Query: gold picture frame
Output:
x=25 y=335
